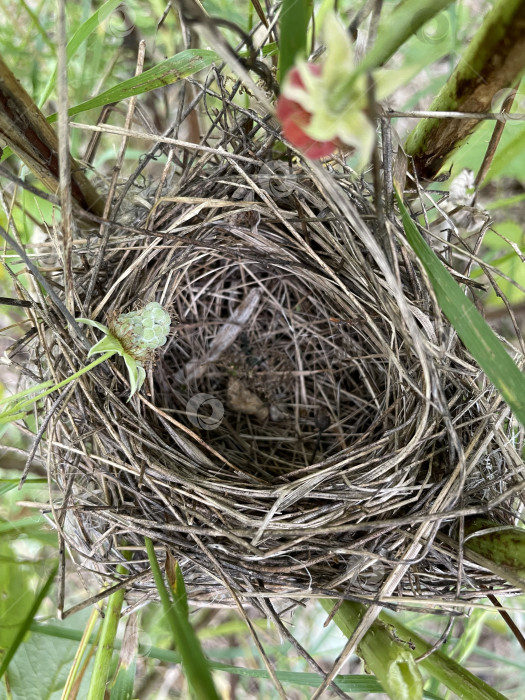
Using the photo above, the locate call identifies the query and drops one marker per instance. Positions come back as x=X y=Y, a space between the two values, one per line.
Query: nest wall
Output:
x=313 y=425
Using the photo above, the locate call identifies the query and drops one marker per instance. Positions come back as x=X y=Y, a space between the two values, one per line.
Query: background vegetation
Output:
x=102 y=56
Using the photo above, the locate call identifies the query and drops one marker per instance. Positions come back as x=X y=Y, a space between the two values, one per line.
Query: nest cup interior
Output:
x=267 y=370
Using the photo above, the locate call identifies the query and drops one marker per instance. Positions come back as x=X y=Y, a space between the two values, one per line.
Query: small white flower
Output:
x=462 y=189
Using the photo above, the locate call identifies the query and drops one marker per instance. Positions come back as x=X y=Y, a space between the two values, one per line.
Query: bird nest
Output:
x=312 y=427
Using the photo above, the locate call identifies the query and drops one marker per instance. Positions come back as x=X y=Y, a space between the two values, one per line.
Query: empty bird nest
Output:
x=312 y=427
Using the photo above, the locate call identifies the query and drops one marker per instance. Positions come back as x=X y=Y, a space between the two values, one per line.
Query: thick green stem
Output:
x=464 y=684
x=99 y=679
x=493 y=61
x=388 y=658
x=378 y=650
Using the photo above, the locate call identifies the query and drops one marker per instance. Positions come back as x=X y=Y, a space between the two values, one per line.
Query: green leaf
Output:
x=194 y=662
x=167 y=72
x=107 y=344
x=24 y=626
x=405 y=20
x=40 y=668
x=79 y=37
x=136 y=373
x=354 y=683
x=294 y=20
x=501 y=548
x=511 y=149
x=15 y=595
x=471 y=327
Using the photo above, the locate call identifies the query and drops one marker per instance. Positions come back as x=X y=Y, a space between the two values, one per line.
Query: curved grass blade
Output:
x=471 y=327
x=194 y=662
x=166 y=72
x=79 y=37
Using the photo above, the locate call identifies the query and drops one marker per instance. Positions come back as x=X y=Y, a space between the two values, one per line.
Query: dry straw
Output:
x=313 y=426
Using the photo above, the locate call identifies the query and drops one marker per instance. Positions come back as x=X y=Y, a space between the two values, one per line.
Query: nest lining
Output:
x=338 y=409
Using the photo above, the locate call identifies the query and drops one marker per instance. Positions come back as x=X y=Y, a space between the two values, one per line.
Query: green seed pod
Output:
x=143 y=331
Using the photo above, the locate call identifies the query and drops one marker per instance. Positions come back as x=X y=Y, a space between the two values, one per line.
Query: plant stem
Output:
x=99 y=679
x=64 y=382
x=377 y=652
x=387 y=657
x=493 y=61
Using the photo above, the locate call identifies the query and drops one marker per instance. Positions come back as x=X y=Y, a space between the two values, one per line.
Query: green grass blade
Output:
x=99 y=679
x=396 y=28
x=471 y=327
x=194 y=662
x=24 y=627
x=294 y=21
x=25 y=392
x=167 y=72
x=7 y=485
x=79 y=37
x=122 y=688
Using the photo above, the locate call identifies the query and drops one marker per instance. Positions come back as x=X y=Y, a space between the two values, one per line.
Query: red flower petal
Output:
x=294 y=118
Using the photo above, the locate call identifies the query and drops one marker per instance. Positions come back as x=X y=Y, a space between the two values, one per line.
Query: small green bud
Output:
x=134 y=336
x=144 y=330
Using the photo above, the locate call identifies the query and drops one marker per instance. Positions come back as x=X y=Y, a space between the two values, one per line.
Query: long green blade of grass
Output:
x=79 y=37
x=194 y=662
x=169 y=71
x=294 y=20
x=469 y=324
x=355 y=683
